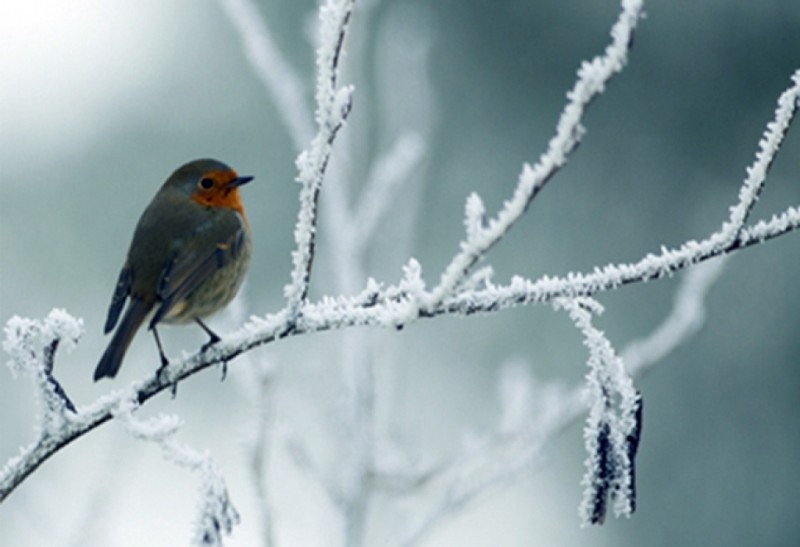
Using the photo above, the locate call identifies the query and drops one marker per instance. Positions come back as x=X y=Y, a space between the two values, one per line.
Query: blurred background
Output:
x=100 y=101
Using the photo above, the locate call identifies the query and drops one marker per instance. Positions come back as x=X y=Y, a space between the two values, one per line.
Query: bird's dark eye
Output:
x=206 y=183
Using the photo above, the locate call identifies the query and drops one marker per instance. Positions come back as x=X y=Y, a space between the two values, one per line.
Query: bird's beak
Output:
x=238 y=181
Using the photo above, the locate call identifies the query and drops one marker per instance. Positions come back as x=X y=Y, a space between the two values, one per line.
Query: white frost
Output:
x=612 y=420
x=216 y=514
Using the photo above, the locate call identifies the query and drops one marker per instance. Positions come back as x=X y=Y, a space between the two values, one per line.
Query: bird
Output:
x=187 y=259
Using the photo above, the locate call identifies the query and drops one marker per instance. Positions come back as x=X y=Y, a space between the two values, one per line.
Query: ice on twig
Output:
x=216 y=514
x=333 y=106
x=768 y=147
x=31 y=344
x=412 y=282
x=592 y=77
x=613 y=427
x=474 y=217
x=779 y=224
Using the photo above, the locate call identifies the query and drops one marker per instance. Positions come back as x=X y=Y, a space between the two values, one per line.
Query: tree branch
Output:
x=333 y=106
x=397 y=305
x=592 y=79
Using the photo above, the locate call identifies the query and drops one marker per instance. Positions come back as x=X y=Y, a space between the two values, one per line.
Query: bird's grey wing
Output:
x=121 y=292
x=196 y=260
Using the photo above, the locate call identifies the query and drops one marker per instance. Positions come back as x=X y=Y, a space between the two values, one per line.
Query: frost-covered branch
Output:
x=389 y=306
x=333 y=106
x=614 y=425
x=460 y=291
x=521 y=291
x=592 y=79
x=32 y=345
x=217 y=516
x=533 y=415
x=733 y=235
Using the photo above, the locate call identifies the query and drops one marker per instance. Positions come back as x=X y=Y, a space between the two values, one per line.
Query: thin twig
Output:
x=592 y=79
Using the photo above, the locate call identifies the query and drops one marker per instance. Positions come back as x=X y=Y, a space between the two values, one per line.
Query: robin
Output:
x=189 y=254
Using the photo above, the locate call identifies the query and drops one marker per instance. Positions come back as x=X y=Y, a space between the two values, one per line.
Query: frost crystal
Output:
x=614 y=425
x=32 y=345
x=217 y=515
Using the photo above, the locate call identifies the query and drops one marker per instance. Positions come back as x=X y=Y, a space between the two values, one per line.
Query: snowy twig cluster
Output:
x=217 y=515
x=614 y=425
x=32 y=346
x=615 y=408
x=483 y=234
x=333 y=105
x=532 y=415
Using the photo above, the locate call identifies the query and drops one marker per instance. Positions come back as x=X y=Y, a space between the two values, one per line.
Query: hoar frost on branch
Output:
x=32 y=345
x=614 y=422
x=217 y=516
x=611 y=434
x=333 y=105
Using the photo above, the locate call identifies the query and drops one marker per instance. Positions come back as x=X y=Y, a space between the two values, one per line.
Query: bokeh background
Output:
x=100 y=101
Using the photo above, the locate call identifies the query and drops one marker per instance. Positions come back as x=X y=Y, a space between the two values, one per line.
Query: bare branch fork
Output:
x=592 y=78
x=408 y=300
x=333 y=106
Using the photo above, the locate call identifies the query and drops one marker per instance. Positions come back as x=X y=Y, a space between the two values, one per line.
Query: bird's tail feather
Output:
x=112 y=358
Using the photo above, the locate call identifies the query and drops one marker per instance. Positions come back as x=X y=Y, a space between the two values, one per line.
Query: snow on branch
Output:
x=614 y=426
x=592 y=78
x=389 y=305
x=615 y=417
x=333 y=106
x=532 y=415
x=768 y=147
x=216 y=513
x=732 y=235
x=32 y=345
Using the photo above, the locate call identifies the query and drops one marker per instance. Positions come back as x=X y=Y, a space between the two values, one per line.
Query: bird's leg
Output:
x=212 y=336
x=164 y=360
x=164 y=363
x=213 y=339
